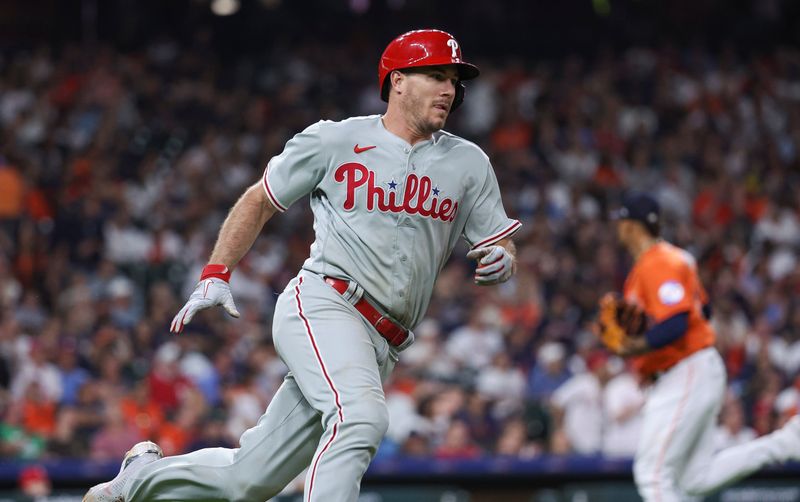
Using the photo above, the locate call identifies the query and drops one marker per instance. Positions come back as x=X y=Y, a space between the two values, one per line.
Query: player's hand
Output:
x=208 y=293
x=495 y=265
x=621 y=326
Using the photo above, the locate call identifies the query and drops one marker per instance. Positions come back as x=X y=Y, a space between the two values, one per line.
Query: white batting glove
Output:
x=208 y=293
x=495 y=265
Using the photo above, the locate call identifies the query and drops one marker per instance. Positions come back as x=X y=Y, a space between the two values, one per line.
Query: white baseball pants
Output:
x=676 y=456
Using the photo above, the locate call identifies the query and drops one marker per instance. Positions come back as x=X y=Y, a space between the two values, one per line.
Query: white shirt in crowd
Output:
x=622 y=402
x=580 y=399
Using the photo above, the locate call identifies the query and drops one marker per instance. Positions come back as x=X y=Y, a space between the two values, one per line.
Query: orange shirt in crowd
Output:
x=664 y=282
x=173 y=439
x=39 y=417
x=12 y=192
x=147 y=417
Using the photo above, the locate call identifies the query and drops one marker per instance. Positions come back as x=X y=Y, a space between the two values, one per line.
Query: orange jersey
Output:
x=664 y=282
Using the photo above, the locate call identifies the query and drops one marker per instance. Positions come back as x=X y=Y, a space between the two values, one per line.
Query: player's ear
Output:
x=397 y=80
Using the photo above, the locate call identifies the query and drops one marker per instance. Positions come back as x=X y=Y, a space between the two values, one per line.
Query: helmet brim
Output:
x=466 y=71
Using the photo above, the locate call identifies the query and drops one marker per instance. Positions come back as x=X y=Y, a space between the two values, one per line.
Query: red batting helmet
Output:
x=424 y=48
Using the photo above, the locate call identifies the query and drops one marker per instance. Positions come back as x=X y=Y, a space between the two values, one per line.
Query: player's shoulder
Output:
x=679 y=254
x=457 y=145
x=666 y=255
x=344 y=127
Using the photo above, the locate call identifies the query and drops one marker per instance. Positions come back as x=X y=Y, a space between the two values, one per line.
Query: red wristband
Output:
x=216 y=270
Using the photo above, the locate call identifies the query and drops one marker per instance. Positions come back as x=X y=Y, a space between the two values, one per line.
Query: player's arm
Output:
x=659 y=335
x=242 y=226
x=294 y=173
x=240 y=229
x=496 y=263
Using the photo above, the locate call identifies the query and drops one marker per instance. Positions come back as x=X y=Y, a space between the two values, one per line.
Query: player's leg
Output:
x=678 y=408
x=708 y=471
x=335 y=360
x=270 y=455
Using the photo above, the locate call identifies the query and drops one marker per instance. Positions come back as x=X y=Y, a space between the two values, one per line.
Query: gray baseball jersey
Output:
x=387 y=215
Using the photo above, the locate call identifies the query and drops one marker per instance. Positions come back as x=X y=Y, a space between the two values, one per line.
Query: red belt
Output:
x=391 y=331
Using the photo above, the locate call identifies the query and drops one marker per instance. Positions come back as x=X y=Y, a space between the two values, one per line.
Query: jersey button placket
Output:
x=403 y=226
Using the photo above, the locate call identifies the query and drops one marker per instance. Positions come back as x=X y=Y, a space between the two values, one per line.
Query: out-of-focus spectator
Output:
x=39 y=370
x=622 y=402
x=549 y=373
x=12 y=192
x=141 y=411
x=416 y=445
x=458 y=443
x=30 y=314
x=123 y=311
x=175 y=435
x=473 y=345
x=426 y=355
x=35 y=411
x=167 y=384
x=268 y=369
x=34 y=482
x=513 y=441
x=195 y=366
x=504 y=384
x=73 y=377
x=579 y=405
x=116 y=435
x=244 y=406
x=732 y=429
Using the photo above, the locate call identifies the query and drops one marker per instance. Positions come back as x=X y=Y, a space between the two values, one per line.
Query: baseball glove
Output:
x=619 y=319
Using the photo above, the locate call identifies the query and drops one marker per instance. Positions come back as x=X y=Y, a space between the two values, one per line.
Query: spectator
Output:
x=73 y=377
x=39 y=370
x=622 y=403
x=34 y=482
x=458 y=443
x=732 y=430
x=473 y=345
x=115 y=436
x=578 y=405
x=141 y=411
x=503 y=384
x=549 y=373
x=513 y=441
x=167 y=384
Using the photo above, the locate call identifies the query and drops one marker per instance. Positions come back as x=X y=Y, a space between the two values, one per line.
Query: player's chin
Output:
x=438 y=119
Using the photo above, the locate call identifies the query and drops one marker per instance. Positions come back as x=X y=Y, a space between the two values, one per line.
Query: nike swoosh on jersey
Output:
x=363 y=149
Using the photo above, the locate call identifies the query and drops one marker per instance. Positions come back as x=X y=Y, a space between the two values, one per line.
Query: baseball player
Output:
x=676 y=453
x=391 y=196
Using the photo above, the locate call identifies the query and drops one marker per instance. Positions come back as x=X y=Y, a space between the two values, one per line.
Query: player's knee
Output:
x=369 y=421
x=245 y=488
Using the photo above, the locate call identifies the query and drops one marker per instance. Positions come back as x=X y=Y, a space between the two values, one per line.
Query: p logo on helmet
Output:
x=424 y=48
x=454 y=45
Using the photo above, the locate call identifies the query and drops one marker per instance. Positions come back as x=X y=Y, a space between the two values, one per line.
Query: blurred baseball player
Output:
x=391 y=196
x=676 y=352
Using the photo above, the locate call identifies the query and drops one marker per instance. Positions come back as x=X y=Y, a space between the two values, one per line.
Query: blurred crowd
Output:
x=116 y=170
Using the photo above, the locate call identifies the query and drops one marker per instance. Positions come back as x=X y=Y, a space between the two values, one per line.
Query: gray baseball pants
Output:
x=329 y=414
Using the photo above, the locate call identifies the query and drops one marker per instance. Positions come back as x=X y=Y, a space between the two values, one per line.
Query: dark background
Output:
x=502 y=29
